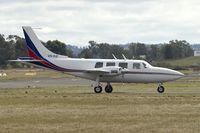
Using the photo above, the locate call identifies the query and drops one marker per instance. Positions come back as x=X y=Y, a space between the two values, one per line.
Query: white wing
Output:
x=111 y=71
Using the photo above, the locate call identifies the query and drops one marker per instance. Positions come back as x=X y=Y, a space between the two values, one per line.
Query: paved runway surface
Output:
x=45 y=82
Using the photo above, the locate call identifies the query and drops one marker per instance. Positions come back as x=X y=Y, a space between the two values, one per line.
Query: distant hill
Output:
x=195 y=47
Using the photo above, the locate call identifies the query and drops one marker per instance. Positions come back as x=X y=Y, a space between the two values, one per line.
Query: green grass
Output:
x=16 y=74
x=183 y=62
x=130 y=108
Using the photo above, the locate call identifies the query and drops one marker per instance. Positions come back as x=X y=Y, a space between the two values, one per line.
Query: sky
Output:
x=114 y=21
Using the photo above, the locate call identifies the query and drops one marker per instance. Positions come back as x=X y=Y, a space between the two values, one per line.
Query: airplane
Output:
x=99 y=70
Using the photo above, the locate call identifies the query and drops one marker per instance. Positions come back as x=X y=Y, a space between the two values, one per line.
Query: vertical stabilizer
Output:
x=36 y=49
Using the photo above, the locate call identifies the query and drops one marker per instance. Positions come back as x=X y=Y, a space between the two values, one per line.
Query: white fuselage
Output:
x=143 y=74
x=101 y=70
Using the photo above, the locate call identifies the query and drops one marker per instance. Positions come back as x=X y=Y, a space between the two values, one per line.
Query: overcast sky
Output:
x=113 y=21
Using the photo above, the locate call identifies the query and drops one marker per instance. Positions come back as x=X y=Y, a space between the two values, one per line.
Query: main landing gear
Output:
x=98 y=88
x=108 y=88
x=160 y=88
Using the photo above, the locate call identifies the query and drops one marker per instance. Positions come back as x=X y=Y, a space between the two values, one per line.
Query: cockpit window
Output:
x=110 y=64
x=123 y=65
x=144 y=65
x=136 y=65
x=99 y=65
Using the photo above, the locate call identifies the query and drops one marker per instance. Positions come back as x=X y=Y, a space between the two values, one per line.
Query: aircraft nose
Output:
x=168 y=74
x=177 y=74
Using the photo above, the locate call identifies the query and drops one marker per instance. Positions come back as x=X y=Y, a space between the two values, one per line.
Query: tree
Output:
x=167 y=51
x=153 y=52
x=181 y=48
x=4 y=47
x=58 y=48
x=137 y=49
x=176 y=49
x=86 y=53
x=20 y=47
x=102 y=50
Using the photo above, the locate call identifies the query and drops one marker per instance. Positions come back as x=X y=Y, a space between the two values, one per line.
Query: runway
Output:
x=45 y=82
x=186 y=86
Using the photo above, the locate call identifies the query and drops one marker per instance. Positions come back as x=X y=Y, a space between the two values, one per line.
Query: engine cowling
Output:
x=113 y=70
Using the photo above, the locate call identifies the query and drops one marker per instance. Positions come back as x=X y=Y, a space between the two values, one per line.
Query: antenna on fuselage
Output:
x=124 y=57
x=114 y=56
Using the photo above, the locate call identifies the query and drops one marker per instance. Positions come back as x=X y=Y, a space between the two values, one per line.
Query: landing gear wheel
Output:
x=160 y=89
x=98 y=89
x=108 y=89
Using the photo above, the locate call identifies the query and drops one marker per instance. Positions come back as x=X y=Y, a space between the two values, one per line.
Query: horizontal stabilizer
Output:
x=25 y=59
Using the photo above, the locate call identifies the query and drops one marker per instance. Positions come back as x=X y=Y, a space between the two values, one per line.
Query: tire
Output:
x=161 y=89
x=98 y=89
x=108 y=89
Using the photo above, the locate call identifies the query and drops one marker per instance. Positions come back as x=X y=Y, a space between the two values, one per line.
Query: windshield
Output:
x=146 y=64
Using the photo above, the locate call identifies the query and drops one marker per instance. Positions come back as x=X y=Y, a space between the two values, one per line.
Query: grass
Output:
x=16 y=74
x=194 y=60
x=130 y=108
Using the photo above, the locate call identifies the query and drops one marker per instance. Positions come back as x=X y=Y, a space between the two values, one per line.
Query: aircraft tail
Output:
x=36 y=49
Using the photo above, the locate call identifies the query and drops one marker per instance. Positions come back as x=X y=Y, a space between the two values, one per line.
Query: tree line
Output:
x=175 y=49
x=12 y=47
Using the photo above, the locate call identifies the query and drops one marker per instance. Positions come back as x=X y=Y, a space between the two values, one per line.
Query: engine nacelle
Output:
x=114 y=70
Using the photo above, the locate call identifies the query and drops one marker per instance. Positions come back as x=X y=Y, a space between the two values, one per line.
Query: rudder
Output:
x=36 y=49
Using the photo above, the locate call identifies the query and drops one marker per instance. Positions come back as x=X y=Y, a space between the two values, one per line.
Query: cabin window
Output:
x=99 y=65
x=110 y=64
x=123 y=65
x=136 y=65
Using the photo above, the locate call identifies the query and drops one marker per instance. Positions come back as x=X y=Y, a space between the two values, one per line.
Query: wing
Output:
x=109 y=71
x=97 y=71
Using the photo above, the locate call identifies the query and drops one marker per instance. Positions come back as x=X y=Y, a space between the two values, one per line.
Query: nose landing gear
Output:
x=98 y=89
x=160 y=88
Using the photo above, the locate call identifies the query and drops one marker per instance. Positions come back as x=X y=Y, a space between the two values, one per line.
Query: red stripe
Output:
x=34 y=56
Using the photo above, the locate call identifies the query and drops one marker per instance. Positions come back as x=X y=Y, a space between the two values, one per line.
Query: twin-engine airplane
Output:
x=98 y=70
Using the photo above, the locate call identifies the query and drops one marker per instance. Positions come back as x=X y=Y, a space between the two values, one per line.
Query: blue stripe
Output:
x=34 y=49
x=31 y=45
